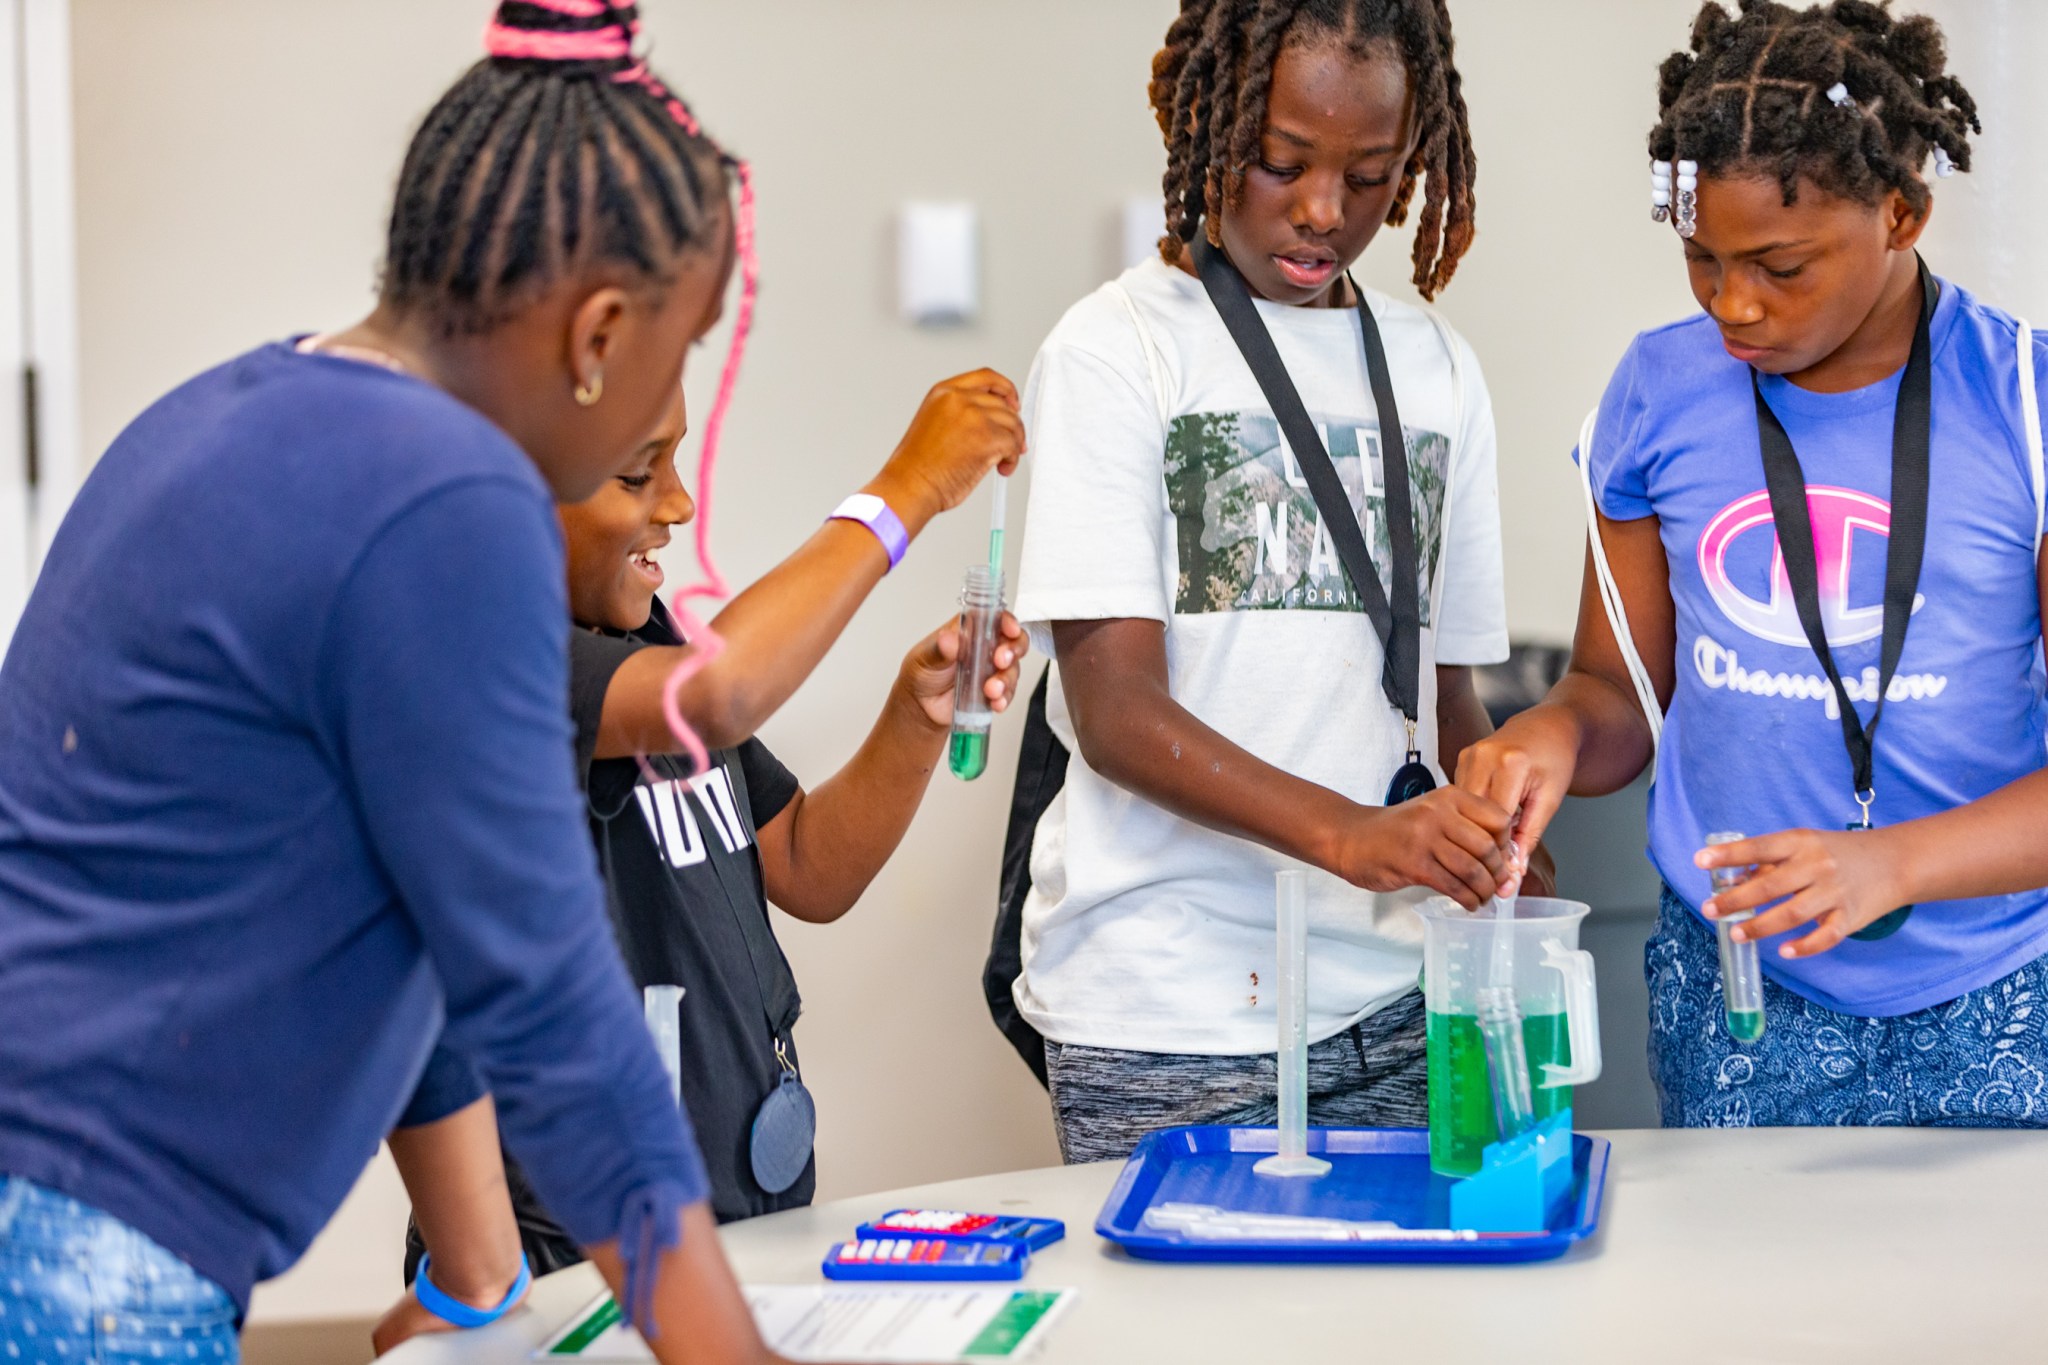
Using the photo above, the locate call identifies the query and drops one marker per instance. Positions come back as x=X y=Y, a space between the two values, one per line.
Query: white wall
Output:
x=235 y=157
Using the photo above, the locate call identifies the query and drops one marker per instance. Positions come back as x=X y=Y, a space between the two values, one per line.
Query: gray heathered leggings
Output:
x=1373 y=1075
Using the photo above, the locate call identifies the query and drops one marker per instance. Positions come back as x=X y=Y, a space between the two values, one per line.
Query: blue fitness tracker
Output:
x=461 y=1314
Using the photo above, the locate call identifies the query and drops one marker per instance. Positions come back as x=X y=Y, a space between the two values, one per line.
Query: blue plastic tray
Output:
x=1376 y=1173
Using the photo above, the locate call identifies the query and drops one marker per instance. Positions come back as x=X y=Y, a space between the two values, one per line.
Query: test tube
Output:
x=1742 y=981
x=981 y=608
x=1507 y=1061
x=663 y=1005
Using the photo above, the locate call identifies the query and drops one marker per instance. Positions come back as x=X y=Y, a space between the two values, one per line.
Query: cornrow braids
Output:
x=1211 y=80
x=557 y=151
x=1753 y=93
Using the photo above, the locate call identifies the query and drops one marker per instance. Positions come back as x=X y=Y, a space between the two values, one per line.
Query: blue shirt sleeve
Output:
x=445 y=682
x=449 y=1083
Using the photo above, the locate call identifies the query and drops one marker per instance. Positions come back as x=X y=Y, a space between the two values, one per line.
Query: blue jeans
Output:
x=80 y=1288
x=1978 y=1061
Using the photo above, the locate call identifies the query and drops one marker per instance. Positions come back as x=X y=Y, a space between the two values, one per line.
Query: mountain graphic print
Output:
x=1250 y=536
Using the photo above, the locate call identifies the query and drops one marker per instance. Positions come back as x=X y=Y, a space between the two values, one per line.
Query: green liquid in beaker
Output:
x=968 y=755
x=1746 y=1026
x=1461 y=1121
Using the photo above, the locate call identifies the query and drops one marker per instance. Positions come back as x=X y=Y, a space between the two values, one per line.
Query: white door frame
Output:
x=39 y=440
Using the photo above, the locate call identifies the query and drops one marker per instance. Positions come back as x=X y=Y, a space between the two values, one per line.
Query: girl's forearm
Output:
x=1606 y=728
x=700 y=1315
x=1132 y=731
x=775 y=633
x=842 y=833
x=455 y=1176
x=1990 y=847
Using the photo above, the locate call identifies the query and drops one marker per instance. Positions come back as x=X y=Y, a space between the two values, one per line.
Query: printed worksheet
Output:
x=876 y=1324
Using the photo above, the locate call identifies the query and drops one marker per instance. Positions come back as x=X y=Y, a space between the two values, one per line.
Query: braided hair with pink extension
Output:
x=559 y=151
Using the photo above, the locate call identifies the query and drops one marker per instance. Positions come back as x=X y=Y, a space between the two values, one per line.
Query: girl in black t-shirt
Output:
x=691 y=861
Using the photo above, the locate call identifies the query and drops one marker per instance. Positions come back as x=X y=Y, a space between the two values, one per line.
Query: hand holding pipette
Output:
x=967 y=428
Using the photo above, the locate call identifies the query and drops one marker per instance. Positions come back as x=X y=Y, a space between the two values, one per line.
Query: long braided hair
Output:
x=1209 y=88
x=1752 y=94
x=559 y=150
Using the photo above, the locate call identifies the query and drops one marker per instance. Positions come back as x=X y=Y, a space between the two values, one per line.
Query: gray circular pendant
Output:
x=785 y=1129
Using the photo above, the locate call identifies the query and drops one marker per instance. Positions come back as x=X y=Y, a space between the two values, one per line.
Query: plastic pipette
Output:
x=1742 y=978
x=998 y=512
x=1207 y=1222
x=1290 y=903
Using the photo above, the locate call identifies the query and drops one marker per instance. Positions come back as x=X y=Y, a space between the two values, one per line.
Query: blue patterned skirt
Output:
x=1978 y=1061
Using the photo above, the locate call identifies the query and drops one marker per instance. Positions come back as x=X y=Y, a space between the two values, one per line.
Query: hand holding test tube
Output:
x=981 y=611
x=1742 y=980
x=981 y=614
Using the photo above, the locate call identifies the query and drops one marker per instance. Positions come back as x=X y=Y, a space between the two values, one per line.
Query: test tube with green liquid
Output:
x=1742 y=979
x=981 y=610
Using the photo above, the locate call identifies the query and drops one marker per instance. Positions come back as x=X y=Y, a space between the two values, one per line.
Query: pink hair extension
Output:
x=528 y=45
x=576 y=9
x=708 y=644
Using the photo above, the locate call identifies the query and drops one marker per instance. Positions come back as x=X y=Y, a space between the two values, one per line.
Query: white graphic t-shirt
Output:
x=1161 y=488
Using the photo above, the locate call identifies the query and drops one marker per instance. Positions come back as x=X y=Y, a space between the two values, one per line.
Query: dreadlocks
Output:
x=1752 y=93
x=1209 y=87
x=558 y=150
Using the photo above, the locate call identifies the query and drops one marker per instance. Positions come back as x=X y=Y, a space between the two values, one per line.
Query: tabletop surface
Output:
x=1754 y=1246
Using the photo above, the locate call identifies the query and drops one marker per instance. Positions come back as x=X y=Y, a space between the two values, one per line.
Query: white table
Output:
x=1761 y=1246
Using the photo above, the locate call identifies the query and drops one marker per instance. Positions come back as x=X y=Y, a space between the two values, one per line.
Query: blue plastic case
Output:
x=926 y=1258
x=1035 y=1234
x=1376 y=1174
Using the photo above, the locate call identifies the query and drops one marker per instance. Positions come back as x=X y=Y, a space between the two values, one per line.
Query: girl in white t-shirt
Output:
x=1222 y=682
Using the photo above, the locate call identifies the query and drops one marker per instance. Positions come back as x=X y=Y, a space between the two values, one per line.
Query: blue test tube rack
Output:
x=1521 y=1183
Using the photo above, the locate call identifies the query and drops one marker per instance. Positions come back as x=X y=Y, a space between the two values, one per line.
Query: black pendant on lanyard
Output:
x=1398 y=621
x=1912 y=424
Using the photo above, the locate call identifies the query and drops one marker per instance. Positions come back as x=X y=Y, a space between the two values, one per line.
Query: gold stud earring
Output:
x=588 y=394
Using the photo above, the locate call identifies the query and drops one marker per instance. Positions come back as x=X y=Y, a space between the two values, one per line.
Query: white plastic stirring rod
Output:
x=1290 y=895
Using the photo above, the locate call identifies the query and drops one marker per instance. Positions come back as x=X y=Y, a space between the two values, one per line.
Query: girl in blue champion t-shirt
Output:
x=1789 y=155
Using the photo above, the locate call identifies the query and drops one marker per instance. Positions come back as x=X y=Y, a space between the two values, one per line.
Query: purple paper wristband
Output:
x=871 y=512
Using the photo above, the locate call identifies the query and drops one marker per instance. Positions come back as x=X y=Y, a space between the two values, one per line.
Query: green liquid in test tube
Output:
x=967 y=755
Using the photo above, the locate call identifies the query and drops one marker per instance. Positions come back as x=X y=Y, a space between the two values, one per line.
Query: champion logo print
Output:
x=1843 y=519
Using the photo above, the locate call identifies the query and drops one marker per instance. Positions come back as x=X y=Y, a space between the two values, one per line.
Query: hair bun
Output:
x=597 y=34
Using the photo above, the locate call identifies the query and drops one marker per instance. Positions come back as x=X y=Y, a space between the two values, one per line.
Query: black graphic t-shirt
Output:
x=683 y=886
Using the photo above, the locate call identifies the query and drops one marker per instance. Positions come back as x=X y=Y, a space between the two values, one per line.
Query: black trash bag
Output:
x=1041 y=772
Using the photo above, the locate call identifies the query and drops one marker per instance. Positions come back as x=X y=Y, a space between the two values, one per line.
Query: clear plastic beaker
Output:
x=1552 y=983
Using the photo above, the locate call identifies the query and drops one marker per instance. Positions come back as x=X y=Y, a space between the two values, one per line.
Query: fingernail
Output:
x=1786 y=951
x=1710 y=910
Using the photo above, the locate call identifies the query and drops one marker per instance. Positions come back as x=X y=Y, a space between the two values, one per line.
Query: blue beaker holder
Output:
x=1521 y=1183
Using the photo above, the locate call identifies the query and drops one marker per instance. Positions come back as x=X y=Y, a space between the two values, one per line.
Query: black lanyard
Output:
x=1905 y=549
x=1397 y=622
